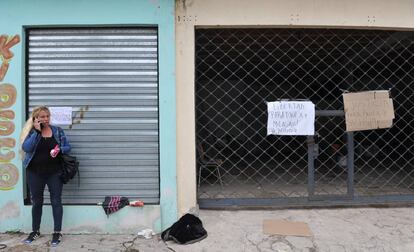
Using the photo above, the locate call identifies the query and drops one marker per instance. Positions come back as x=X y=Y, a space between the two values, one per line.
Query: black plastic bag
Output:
x=188 y=229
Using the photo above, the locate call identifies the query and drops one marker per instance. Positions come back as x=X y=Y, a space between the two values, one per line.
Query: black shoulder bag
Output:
x=70 y=166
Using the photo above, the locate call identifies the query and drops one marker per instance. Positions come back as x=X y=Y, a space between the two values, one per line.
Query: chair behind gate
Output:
x=206 y=162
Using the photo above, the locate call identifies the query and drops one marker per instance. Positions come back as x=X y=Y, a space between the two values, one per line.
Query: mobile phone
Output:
x=40 y=124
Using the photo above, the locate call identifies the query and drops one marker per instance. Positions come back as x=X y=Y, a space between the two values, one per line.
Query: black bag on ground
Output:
x=70 y=167
x=188 y=229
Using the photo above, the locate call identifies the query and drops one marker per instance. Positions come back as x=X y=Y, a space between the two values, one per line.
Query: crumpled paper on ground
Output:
x=146 y=233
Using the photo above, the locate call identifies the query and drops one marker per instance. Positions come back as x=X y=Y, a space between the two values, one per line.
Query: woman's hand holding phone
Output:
x=37 y=124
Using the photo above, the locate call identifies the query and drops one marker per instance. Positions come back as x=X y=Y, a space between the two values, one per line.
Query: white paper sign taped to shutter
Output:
x=293 y=118
x=61 y=115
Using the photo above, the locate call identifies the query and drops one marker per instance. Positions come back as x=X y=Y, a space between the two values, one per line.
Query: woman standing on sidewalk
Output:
x=43 y=144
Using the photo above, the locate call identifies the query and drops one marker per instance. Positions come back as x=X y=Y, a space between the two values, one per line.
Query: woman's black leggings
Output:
x=37 y=183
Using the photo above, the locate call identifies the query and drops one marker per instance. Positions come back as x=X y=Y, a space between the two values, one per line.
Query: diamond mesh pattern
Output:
x=238 y=70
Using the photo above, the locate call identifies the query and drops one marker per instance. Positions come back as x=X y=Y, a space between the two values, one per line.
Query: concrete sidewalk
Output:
x=334 y=230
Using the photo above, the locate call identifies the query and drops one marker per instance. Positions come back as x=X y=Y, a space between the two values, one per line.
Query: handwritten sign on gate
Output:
x=293 y=118
x=368 y=110
x=61 y=115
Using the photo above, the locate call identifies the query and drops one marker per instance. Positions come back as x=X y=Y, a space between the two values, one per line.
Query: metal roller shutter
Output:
x=110 y=79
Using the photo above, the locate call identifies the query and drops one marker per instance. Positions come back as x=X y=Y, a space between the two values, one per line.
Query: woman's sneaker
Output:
x=56 y=237
x=32 y=236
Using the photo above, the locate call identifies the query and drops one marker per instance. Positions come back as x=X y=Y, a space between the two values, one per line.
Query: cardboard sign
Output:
x=61 y=115
x=284 y=227
x=368 y=110
x=293 y=118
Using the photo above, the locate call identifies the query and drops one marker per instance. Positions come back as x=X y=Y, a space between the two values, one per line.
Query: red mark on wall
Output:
x=3 y=69
x=7 y=99
x=6 y=149
x=6 y=43
x=7 y=95
x=9 y=174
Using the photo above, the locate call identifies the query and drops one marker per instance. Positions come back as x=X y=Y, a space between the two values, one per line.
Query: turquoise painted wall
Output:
x=18 y=14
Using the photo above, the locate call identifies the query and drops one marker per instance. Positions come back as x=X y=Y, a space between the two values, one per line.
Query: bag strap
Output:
x=59 y=137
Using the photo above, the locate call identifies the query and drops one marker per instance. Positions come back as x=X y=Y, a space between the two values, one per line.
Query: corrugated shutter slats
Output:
x=110 y=79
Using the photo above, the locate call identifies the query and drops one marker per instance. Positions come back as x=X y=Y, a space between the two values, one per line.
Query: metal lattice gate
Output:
x=238 y=70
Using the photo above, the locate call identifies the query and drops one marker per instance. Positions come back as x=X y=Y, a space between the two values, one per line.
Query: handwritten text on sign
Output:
x=291 y=118
x=61 y=115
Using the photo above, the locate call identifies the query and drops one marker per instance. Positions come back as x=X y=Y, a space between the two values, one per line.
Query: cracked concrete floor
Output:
x=334 y=230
